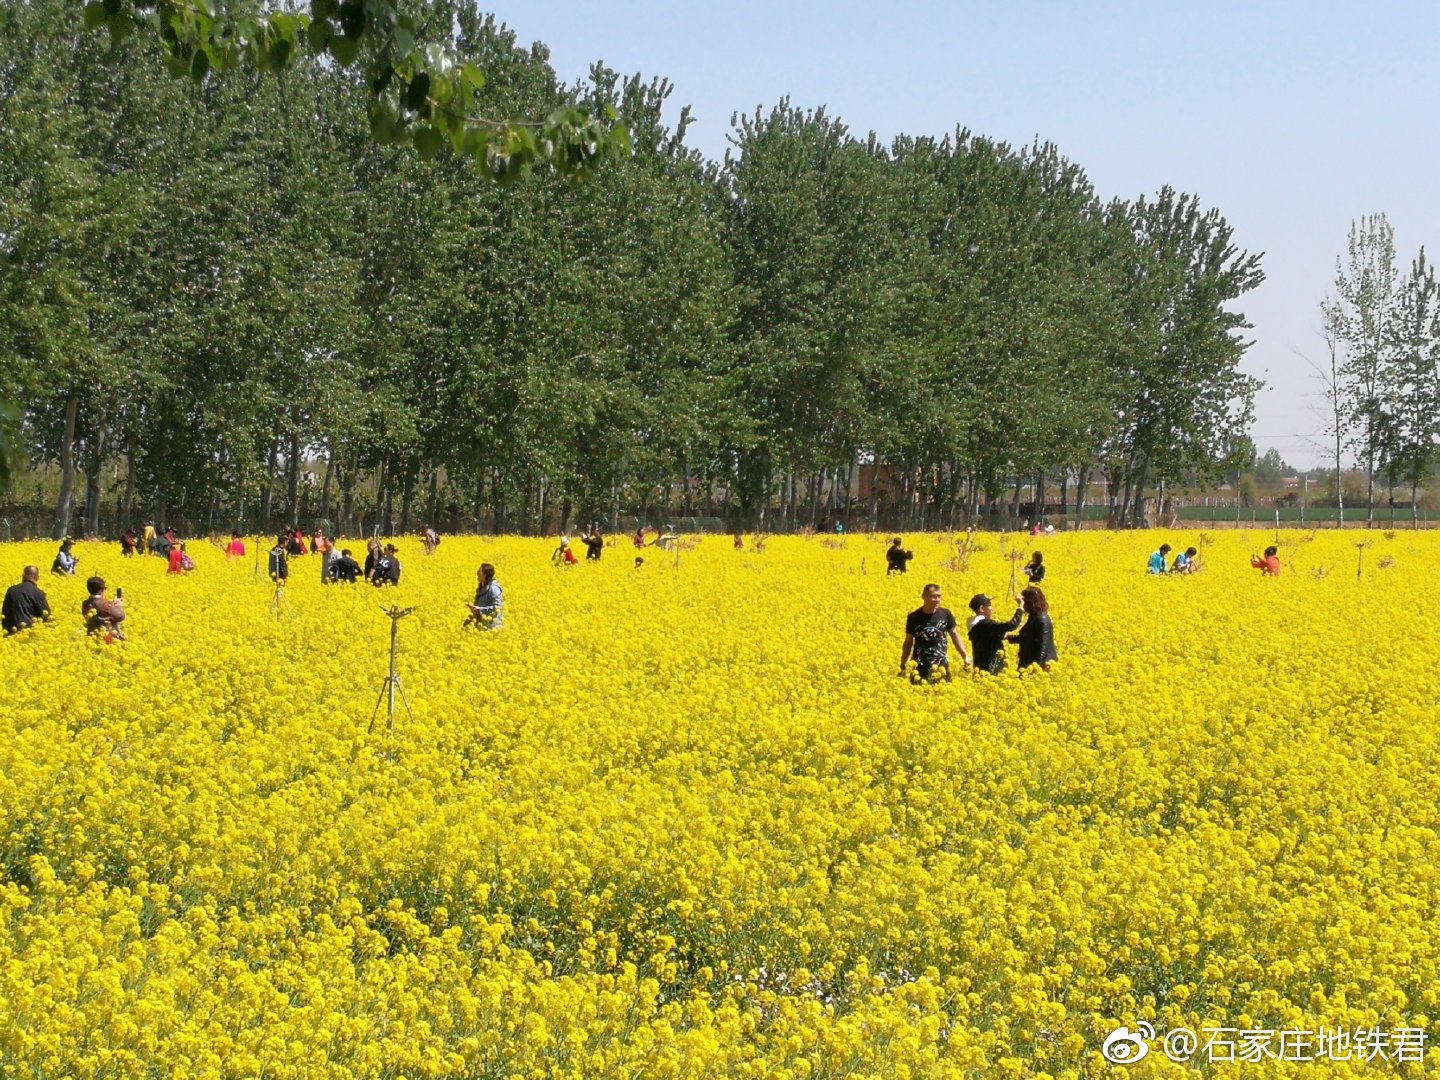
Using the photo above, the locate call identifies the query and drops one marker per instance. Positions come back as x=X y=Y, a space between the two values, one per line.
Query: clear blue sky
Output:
x=1293 y=119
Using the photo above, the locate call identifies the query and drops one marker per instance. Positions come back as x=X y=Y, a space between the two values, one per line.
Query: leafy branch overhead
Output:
x=418 y=93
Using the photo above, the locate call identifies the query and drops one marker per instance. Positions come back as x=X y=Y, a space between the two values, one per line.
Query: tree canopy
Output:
x=226 y=302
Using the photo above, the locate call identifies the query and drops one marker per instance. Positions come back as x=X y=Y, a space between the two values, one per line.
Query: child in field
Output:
x=1270 y=564
x=1157 y=563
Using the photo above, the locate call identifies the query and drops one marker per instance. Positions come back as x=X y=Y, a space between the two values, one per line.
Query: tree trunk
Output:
x=94 y=464
x=432 y=496
x=292 y=481
x=66 y=506
x=347 y=497
x=267 y=493
x=407 y=502
x=1082 y=488
x=127 y=507
x=325 y=489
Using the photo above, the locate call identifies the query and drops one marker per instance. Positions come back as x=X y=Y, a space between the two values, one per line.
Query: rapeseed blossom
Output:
x=683 y=820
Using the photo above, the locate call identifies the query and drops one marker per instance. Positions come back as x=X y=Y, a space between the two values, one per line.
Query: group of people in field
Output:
x=931 y=629
x=1188 y=561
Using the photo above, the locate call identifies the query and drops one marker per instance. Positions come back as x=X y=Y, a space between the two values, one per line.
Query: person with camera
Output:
x=594 y=542
x=1270 y=564
x=927 y=630
x=24 y=603
x=987 y=635
x=102 y=615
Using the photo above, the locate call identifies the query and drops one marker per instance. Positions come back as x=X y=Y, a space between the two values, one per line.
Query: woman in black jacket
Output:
x=1037 y=637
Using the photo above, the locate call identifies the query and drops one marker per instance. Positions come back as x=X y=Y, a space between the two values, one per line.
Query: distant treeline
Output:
x=206 y=287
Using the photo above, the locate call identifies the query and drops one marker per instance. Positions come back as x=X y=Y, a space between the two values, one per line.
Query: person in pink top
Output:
x=236 y=550
x=1270 y=564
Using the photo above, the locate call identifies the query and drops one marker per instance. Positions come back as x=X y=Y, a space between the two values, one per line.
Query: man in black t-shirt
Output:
x=927 y=629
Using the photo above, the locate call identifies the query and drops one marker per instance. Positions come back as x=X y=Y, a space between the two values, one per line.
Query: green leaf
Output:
x=352 y=19
x=95 y=15
x=284 y=25
x=322 y=9
x=113 y=7
x=428 y=141
x=344 y=50
x=120 y=27
x=474 y=77
x=382 y=124
x=417 y=92
x=404 y=41
x=278 y=56
x=318 y=33
x=199 y=65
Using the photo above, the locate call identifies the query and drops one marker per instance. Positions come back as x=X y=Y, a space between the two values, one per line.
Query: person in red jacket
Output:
x=1270 y=564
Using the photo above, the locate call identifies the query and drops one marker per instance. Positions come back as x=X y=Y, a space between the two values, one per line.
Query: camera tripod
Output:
x=278 y=607
x=392 y=681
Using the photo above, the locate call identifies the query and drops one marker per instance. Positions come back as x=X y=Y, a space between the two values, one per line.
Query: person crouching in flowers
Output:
x=488 y=610
x=927 y=629
x=1270 y=564
x=102 y=615
x=1037 y=637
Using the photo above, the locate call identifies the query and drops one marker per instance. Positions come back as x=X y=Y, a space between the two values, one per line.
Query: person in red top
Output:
x=563 y=556
x=236 y=550
x=179 y=561
x=1270 y=564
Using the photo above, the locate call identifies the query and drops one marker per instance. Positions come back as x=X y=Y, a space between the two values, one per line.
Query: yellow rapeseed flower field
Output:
x=685 y=821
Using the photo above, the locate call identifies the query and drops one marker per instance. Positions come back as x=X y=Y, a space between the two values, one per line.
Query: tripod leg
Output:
x=383 y=687
x=405 y=698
